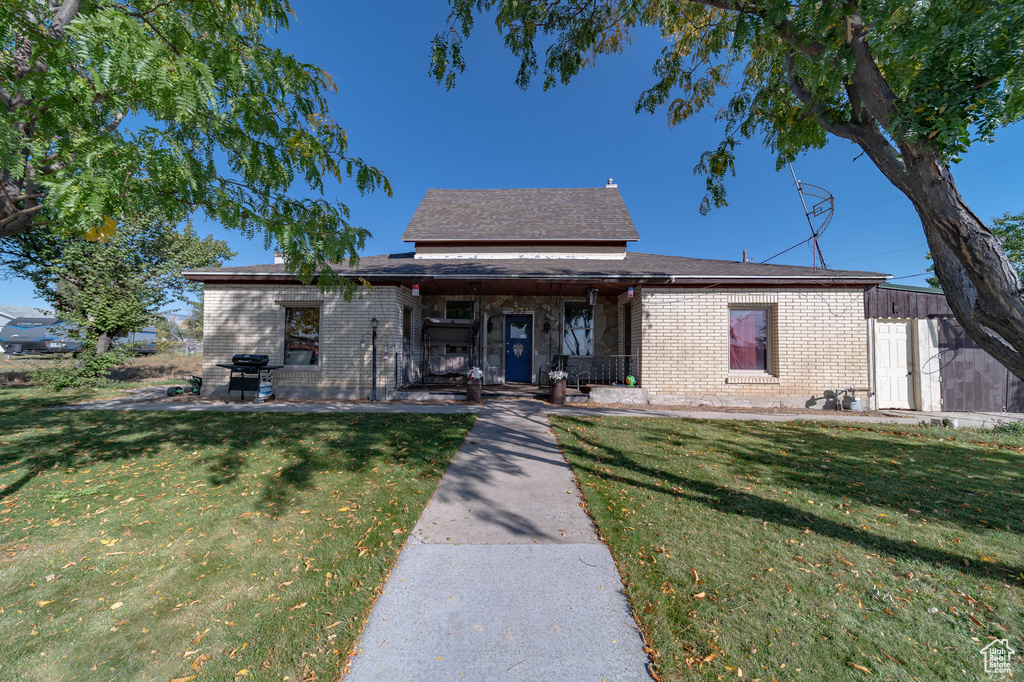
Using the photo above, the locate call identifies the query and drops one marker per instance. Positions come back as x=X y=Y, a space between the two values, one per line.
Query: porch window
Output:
x=458 y=310
x=302 y=336
x=578 y=335
x=749 y=339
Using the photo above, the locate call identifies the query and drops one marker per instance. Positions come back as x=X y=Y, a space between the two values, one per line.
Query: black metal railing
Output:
x=597 y=369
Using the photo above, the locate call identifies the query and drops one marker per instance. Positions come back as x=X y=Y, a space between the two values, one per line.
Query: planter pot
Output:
x=473 y=389
x=558 y=392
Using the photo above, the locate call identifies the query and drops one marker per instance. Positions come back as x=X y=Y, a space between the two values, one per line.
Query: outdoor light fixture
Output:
x=490 y=325
x=373 y=391
x=547 y=325
x=591 y=296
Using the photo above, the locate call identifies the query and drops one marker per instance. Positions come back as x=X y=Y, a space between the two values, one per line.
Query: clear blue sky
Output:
x=486 y=133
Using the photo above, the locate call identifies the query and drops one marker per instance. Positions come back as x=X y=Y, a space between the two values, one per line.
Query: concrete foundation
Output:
x=618 y=395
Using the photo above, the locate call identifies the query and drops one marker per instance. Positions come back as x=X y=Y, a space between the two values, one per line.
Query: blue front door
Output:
x=518 y=348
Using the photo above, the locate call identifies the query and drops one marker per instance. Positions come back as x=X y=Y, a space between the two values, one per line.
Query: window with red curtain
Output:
x=748 y=339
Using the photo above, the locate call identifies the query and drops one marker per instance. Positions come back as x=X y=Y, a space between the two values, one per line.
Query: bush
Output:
x=84 y=369
x=1013 y=428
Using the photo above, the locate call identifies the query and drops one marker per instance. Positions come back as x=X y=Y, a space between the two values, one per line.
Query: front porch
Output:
x=518 y=334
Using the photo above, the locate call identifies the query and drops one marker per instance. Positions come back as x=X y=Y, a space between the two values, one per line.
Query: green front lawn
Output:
x=139 y=545
x=809 y=551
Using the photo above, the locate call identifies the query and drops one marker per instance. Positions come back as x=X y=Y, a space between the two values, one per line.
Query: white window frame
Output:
x=770 y=343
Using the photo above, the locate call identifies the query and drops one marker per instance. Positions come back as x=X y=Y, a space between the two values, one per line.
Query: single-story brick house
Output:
x=511 y=280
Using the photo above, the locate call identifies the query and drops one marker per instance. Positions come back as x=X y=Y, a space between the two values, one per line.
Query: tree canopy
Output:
x=913 y=83
x=114 y=285
x=124 y=107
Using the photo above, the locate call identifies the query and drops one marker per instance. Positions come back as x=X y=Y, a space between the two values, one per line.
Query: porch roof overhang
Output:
x=536 y=275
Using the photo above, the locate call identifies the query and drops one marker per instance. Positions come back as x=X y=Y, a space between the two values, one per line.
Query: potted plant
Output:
x=558 y=377
x=474 y=382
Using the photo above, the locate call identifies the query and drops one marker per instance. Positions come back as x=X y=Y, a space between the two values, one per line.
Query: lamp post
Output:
x=373 y=392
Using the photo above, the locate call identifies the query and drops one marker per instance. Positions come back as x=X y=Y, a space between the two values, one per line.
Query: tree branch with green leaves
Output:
x=127 y=106
x=912 y=83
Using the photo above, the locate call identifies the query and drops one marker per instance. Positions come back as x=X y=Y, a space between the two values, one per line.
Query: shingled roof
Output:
x=635 y=267
x=522 y=215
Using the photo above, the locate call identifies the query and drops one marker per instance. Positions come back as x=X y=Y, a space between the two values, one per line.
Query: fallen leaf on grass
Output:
x=298 y=606
x=116 y=605
x=43 y=603
x=859 y=667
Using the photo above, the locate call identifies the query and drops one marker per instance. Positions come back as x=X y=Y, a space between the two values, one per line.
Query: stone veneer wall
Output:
x=818 y=344
x=249 y=318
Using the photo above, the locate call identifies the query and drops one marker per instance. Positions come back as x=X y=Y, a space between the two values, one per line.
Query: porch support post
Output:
x=561 y=320
x=481 y=331
x=547 y=318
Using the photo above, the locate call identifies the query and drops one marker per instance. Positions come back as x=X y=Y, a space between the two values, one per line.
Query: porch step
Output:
x=459 y=393
x=618 y=395
x=414 y=396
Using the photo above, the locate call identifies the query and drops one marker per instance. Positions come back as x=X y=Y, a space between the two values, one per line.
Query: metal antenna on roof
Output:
x=819 y=215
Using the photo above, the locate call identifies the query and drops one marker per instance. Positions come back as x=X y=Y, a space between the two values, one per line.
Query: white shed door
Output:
x=895 y=380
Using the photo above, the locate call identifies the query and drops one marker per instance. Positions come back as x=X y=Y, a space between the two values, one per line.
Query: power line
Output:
x=789 y=249
x=772 y=239
x=909 y=276
x=887 y=201
x=875 y=255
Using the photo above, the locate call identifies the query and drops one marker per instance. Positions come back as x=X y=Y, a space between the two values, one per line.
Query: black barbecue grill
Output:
x=246 y=372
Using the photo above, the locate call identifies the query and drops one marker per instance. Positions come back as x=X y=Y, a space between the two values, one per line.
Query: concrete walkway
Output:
x=503 y=576
x=143 y=399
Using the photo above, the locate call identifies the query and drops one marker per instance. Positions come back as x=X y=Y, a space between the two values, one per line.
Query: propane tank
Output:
x=266 y=391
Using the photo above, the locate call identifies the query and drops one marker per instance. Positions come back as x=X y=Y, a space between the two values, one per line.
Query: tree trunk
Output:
x=980 y=284
x=103 y=343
